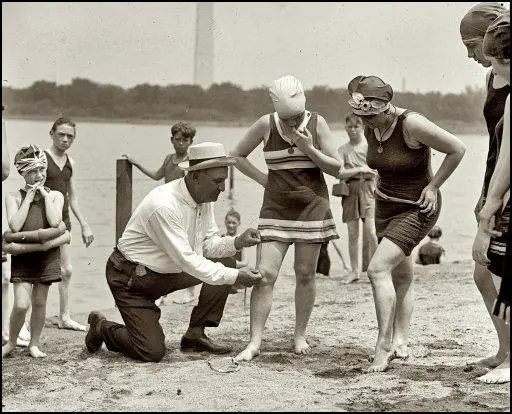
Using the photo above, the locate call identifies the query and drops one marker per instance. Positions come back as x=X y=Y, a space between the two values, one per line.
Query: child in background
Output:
x=60 y=177
x=33 y=212
x=358 y=202
x=182 y=136
x=232 y=221
x=431 y=252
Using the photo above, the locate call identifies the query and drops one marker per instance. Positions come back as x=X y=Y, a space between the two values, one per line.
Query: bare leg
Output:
x=39 y=297
x=6 y=300
x=371 y=235
x=306 y=257
x=484 y=282
x=65 y=321
x=353 y=250
x=386 y=257
x=270 y=258
x=501 y=373
x=22 y=292
x=402 y=276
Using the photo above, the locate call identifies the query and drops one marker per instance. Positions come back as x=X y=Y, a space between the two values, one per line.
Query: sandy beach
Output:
x=449 y=328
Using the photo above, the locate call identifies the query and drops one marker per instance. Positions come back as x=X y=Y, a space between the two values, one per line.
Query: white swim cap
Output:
x=288 y=97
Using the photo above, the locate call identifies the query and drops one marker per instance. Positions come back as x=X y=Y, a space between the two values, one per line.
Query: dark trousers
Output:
x=135 y=289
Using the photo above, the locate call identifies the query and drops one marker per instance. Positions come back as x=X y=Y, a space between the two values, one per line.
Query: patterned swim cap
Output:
x=29 y=158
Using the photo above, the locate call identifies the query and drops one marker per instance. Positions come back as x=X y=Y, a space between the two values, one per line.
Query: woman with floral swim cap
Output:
x=298 y=148
x=407 y=202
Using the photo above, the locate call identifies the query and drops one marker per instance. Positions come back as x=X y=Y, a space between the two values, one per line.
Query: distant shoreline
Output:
x=454 y=126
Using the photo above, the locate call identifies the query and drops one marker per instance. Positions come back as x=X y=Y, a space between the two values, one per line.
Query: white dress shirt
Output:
x=169 y=232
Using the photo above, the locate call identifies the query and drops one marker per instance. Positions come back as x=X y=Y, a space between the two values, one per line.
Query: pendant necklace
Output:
x=291 y=150
x=380 y=150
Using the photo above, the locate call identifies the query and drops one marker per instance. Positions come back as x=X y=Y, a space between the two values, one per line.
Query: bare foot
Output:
x=352 y=277
x=8 y=348
x=70 y=324
x=491 y=361
x=380 y=361
x=498 y=375
x=400 y=352
x=35 y=352
x=248 y=353
x=301 y=346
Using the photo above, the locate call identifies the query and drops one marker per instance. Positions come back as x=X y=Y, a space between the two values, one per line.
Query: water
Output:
x=98 y=145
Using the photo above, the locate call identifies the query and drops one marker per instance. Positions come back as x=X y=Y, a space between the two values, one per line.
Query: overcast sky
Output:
x=329 y=43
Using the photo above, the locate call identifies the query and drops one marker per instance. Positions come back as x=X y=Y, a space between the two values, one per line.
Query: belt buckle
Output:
x=140 y=270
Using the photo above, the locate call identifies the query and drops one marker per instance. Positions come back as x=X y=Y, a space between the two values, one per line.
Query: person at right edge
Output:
x=491 y=247
x=473 y=26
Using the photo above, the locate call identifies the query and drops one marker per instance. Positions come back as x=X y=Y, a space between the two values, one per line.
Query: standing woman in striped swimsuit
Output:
x=298 y=148
x=407 y=203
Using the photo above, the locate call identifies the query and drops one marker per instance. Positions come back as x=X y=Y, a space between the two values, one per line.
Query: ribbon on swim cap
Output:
x=287 y=96
x=29 y=158
x=475 y=22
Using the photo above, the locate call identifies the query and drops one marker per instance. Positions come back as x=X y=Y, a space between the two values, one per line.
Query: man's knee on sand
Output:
x=151 y=351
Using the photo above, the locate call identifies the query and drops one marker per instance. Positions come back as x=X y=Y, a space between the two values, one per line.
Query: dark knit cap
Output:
x=496 y=41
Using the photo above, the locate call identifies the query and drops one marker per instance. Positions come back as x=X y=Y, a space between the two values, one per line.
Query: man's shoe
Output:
x=203 y=344
x=93 y=339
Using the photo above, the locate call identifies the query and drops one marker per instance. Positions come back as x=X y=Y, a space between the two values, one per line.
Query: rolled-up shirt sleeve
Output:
x=165 y=227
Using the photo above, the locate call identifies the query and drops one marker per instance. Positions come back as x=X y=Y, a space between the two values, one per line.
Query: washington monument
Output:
x=203 y=56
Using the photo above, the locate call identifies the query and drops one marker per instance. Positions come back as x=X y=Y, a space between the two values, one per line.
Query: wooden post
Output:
x=231 y=181
x=123 y=195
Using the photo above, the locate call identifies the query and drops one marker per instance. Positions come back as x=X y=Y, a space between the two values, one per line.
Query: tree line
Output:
x=224 y=102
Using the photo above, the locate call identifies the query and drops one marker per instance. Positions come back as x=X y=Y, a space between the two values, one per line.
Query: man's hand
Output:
x=248 y=238
x=248 y=276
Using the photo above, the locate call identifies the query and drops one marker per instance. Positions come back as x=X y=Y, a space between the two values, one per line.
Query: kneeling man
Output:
x=162 y=250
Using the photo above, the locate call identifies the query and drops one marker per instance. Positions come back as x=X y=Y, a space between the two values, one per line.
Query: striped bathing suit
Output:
x=295 y=204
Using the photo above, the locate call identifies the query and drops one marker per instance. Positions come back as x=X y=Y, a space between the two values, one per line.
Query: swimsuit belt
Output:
x=395 y=199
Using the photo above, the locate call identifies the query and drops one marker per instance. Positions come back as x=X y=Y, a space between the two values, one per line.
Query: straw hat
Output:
x=206 y=155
